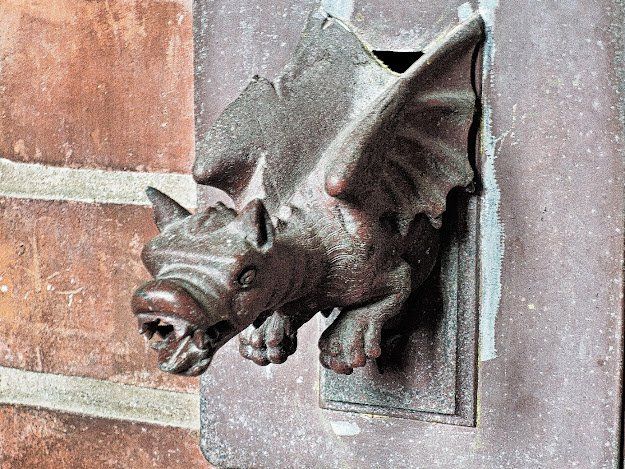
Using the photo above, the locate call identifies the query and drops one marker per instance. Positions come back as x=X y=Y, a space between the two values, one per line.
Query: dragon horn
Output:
x=166 y=209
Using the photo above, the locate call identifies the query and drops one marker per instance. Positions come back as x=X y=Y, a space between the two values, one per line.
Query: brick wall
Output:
x=95 y=104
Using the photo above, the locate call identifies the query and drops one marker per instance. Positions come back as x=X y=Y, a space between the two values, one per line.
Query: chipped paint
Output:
x=343 y=9
x=491 y=229
x=256 y=189
x=344 y=428
x=487 y=10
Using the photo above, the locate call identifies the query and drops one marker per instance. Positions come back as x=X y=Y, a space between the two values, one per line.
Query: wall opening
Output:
x=397 y=61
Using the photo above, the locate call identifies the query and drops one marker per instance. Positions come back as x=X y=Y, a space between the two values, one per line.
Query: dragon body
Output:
x=337 y=203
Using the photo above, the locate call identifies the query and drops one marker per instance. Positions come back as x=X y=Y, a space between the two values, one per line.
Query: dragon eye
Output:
x=247 y=276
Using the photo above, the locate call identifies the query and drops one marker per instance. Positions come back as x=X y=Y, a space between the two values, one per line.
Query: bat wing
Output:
x=272 y=136
x=412 y=145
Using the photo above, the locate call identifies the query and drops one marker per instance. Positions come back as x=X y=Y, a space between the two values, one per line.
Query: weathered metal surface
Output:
x=550 y=382
x=337 y=203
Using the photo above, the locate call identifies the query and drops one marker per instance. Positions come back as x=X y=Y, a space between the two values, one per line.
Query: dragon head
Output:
x=215 y=273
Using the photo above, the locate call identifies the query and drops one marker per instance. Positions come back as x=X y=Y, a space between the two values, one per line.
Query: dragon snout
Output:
x=177 y=327
x=168 y=298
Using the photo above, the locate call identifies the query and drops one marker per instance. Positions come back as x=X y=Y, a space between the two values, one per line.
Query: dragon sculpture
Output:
x=339 y=171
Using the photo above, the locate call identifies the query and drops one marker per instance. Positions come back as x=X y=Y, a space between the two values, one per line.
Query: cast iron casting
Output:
x=338 y=195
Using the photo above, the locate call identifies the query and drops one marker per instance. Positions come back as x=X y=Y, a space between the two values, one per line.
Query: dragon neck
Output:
x=299 y=244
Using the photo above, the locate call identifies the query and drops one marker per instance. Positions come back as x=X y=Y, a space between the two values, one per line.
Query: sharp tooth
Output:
x=158 y=345
x=181 y=330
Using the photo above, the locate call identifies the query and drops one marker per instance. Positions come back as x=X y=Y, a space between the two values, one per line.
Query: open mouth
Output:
x=178 y=328
x=182 y=347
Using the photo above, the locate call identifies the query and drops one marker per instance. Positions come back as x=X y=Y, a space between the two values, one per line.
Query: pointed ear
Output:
x=166 y=209
x=256 y=222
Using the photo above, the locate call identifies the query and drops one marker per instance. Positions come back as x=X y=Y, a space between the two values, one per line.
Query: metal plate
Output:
x=551 y=302
x=429 y=373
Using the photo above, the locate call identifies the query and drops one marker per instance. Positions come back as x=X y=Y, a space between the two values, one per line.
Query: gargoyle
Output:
x=338 y=188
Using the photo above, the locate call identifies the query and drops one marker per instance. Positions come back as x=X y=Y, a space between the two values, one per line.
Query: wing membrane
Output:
x=412 y=146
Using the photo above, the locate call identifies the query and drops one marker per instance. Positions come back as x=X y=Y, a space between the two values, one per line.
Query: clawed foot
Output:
x=273 y=342
x=348 y=342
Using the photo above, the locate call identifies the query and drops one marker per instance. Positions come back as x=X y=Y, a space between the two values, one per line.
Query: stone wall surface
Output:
x=96 y=102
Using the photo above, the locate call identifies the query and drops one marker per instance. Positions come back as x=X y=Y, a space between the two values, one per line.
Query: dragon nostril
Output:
x=168 y=300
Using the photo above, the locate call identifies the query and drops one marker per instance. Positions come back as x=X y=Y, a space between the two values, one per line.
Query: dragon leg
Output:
x=355 y=335
x=274 y=341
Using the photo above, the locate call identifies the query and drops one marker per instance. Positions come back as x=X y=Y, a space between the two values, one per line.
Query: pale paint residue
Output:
x=343 y=9
x=344 y=428
x=491 y=229
x=464 y=11
x=255 y=188
x=487 y=10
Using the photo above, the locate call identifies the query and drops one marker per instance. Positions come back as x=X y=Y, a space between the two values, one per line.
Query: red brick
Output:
x=67 y=271
x=97 y=84
x=32 y=438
